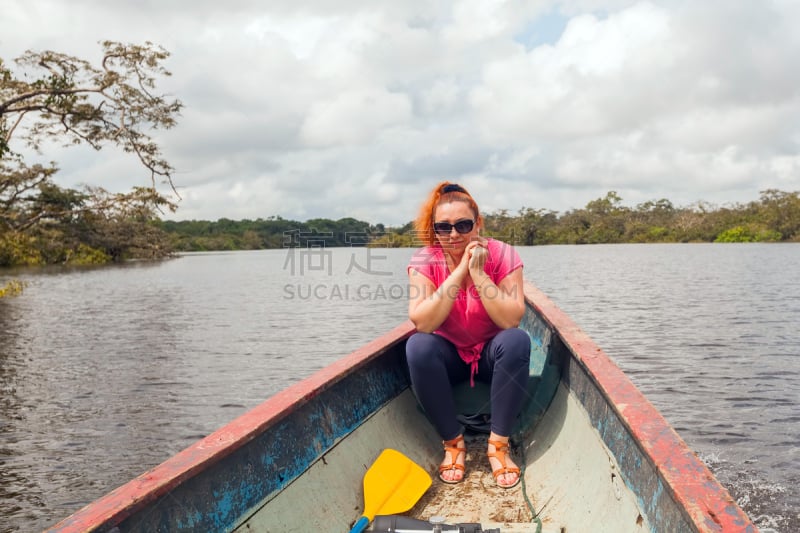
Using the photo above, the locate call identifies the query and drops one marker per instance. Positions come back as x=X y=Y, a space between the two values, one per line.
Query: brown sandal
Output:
x=500 y=452
x=451 y=447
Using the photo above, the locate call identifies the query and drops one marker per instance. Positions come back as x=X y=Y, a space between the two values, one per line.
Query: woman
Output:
x=466 y=300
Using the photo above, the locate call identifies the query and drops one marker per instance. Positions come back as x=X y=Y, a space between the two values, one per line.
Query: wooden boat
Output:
x=596 y=455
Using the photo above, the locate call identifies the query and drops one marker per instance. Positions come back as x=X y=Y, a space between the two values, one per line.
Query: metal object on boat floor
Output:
x=403 y=524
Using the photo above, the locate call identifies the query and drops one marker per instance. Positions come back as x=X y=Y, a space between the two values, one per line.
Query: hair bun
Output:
x=453 y=187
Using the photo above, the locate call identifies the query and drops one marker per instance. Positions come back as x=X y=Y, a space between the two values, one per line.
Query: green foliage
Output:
x=19 y=249
x=274 y=232
x=604 y=220
x=776 y=217
x=657 y=234
x=93 y=226
x=12 y=288
x=66 y=98
x=403 y=237
x=53 y=96
x=395 y=240
x=749 y=233
x=86 y=227
x=86 y=255
x=780 y=211
x=736 y=234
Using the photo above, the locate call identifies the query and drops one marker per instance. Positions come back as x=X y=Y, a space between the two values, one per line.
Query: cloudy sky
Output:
x=319 y=108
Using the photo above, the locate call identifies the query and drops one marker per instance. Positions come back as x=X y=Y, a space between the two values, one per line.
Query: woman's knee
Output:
x=515 y=343
x=420 y=348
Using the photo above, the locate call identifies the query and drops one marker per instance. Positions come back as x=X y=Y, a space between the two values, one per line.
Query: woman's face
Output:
x=452 y=213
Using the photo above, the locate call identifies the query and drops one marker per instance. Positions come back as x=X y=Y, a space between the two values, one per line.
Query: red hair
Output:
x=455 y=193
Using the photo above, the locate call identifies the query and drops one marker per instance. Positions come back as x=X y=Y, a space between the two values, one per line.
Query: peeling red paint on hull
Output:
x=215 y=484
x=691 y=484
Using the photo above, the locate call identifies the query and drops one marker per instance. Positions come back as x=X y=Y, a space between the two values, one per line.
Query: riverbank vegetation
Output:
x=92 y=227
x=52 y=97
x=273 y=232
x=774 y=217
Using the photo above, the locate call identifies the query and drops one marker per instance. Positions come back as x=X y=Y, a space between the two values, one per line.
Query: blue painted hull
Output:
x=246 y=474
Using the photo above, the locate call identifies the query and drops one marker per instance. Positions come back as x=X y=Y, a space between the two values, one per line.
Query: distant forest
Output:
x=775 y=217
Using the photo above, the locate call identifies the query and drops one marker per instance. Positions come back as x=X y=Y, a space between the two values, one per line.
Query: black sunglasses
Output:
x=462 y=226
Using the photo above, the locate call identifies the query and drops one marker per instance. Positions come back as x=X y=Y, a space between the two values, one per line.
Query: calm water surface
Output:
x=106 y=372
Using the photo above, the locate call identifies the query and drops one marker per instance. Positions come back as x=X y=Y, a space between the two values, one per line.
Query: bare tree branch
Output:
x=71 y=99
x=61 y=97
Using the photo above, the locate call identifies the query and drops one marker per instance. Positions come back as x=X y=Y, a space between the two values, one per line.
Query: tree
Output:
x=533 y=226
x=121 y=225
x=781 y=212
x=53 y=96
x=606 y=217
x=56 y=96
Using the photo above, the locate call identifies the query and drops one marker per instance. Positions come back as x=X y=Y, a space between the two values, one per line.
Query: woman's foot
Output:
x=452 y=468
x=505 y=472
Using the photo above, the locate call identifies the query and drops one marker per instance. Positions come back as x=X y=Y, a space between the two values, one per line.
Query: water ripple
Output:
x=107 y=372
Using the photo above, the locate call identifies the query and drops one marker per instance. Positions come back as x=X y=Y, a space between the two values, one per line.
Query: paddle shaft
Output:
x=361 y=525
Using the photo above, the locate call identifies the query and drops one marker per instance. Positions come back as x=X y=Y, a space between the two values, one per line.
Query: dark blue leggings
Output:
x=435 y=366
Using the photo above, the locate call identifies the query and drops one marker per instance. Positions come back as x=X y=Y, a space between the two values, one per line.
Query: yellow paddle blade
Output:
x=393 y=484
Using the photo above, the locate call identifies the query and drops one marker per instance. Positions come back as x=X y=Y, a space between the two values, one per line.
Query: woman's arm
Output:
x=428 y=306
x=504 y=302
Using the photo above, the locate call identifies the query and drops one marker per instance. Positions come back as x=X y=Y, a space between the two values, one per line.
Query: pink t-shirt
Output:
x=468 y=326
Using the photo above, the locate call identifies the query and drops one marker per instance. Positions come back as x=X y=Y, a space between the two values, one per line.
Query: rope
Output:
x=525 y=494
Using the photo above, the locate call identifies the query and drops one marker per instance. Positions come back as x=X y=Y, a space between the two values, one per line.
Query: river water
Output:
x=106 y=372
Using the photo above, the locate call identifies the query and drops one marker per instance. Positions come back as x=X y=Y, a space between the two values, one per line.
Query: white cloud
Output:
x=586 y=84
x=356 y=108
x=354 y=117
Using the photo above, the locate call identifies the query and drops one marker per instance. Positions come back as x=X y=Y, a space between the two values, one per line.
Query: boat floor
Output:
x=477 y=498
x=570 y=478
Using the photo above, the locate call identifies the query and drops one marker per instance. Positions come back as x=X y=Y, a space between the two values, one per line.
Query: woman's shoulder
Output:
x=501 y=253
x=496 y=245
